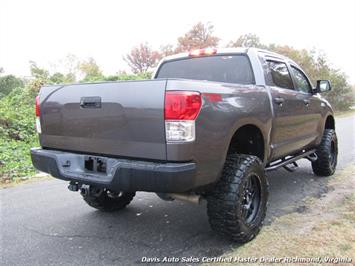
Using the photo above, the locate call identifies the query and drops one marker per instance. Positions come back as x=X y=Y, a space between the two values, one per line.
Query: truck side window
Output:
x=280 y=76
x=301 y=82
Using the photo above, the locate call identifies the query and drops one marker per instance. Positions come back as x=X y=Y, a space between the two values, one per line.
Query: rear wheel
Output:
x=237 y=206
x=105 y=200
x=327 y=153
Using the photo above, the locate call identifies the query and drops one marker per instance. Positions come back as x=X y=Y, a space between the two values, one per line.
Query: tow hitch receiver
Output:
x=95 y=164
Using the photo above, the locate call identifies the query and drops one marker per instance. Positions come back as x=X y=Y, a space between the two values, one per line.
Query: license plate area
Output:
x=94 y=164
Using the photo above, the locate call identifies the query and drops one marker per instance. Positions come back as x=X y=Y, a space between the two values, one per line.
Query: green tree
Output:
x=9 y=83
x=40 y=77
x=57 y=78
x=122 y=75
x=341 y=96
x=37 y=72
x=60 y=78
x=90 y=70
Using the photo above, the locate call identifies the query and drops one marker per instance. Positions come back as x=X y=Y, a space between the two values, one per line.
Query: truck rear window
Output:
x=220 y=68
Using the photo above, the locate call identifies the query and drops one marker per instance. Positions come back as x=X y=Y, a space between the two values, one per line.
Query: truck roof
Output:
x=235 y=50
x=219 y=51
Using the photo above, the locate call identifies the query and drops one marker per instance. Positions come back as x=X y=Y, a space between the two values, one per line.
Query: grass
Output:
x=325 y=229
x=6 y=183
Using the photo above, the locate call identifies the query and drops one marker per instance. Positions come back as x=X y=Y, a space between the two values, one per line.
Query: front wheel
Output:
x=237 y=206
x=327 y=153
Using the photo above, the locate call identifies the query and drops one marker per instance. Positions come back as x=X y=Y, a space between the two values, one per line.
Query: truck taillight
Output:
x=181 y=110
x=38 y=113
x=182 y=105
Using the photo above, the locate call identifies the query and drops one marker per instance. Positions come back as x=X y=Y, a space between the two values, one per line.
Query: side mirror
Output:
x=323 y=86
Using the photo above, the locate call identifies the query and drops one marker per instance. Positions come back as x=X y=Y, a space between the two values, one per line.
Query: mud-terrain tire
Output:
x=107 y=201
x=327 y=153
x=237 y=205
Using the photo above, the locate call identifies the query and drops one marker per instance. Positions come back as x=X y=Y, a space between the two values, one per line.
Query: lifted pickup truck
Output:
x=207 y=126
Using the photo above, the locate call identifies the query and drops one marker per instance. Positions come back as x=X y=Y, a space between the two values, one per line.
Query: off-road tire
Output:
x=225 y=202
x=109 y=202
x=327 y=153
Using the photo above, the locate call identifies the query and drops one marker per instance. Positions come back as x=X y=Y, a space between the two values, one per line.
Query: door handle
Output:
x=90 y=102
x=306 y=102
x=279 y=100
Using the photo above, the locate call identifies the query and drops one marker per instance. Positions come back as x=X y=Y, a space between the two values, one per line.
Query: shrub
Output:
x=17 y=133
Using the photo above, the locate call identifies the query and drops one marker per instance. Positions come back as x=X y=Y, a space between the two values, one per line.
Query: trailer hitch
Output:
x=87 y=191
x=73 y=186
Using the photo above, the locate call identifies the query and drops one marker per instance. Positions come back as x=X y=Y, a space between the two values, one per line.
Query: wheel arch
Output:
x=248 y=139
x=329 y=122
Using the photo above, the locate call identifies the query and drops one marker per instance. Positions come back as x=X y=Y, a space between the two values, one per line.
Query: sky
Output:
x=47 y=31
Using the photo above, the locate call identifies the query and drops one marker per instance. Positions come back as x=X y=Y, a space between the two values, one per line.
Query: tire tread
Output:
x=221 y=207
x=321 y=166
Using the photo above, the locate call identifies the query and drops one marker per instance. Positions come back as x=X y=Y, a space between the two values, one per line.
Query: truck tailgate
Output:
x=113 y=118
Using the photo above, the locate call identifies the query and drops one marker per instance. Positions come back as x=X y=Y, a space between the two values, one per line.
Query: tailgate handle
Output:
x=90 y=102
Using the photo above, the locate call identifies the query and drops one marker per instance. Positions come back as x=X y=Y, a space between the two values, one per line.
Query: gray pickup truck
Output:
x=209 y=125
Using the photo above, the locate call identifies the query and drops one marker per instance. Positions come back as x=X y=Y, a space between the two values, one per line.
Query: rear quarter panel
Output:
x=217 y=122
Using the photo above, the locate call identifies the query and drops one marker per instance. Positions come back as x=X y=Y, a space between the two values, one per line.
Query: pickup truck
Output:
x=208 y=126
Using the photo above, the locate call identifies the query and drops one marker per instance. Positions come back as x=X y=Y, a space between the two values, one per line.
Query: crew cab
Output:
x=208 y=126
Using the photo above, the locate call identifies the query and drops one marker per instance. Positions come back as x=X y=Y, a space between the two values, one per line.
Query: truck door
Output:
x=311 y=104
x=290 y=126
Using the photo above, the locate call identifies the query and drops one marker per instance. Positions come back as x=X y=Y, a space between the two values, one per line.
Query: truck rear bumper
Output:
x=120 y=174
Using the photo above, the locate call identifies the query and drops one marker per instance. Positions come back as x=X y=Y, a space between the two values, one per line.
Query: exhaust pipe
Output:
x=196 y=199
